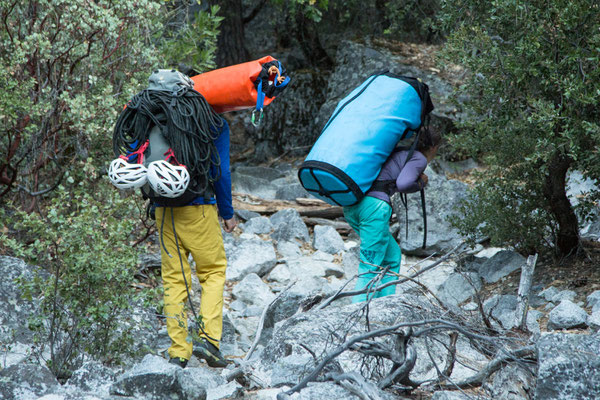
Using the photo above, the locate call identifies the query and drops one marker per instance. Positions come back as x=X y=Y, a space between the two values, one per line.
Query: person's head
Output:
x=429 y=142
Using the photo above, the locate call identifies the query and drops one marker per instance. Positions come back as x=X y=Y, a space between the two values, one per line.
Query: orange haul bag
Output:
x=238 y=87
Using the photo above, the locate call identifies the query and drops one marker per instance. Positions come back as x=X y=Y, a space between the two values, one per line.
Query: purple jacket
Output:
x=407 y=178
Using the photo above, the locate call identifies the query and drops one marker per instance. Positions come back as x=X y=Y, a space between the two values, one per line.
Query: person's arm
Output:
x=223 y=184
x=409 y=180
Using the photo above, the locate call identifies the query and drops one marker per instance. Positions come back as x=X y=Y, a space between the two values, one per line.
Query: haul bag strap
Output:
x=424 y=218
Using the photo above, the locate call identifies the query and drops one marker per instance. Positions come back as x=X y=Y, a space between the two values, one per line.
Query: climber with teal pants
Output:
x=370 y=217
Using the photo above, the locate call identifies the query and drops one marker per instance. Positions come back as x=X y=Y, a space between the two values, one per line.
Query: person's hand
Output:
x=229 y=224
x=424 y=180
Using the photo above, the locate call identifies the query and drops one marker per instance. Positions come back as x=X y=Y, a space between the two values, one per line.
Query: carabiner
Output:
x=260 y=118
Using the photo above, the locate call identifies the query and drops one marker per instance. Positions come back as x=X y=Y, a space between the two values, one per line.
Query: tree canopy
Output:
x=531 y=114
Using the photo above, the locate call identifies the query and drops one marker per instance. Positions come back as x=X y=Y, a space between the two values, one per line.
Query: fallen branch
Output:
x=451 y=358
x=442 y=324
x=523 y=294
x=243 y=201
x=362 y=388
x=479 y=378
x=337 y=225
x=400 y=372
x=261 y=323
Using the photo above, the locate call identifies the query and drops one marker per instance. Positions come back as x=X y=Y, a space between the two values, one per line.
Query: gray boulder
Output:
x=246 y=215
x=450 y=395
x=501 y=308
x=567 y=315
x=259 y=225
x=594 y=321
x=267 y=173
x=512 y=383
x=593 y=299
x=303 y=266
x=350 y=263
x=290 y=370
x=253 y=291
x=355 y=62
x=291 y=191
x=327 y=239
x=93 y=377
x=248 y=256
x=13 y=309
x=289 y=226
x=443 y=195
x=500 y=265
x=14 y=353
x=556 y=296
x=281 y=274
x=152 y=378
x=199 y=382
x=324 y=390
x=230 y=390
x=568 y=366
x=27 y=381
x=288 y=249
x=549 y=293
x=459 y=287
x=150 y=260
x=579 y=186
x=255 y=186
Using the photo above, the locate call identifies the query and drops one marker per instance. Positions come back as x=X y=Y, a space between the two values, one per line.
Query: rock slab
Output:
x=568 y=366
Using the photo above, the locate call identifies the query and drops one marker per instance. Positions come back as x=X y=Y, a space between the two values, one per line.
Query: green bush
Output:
x=531 y=114
x=85 y=288
x=68 y=67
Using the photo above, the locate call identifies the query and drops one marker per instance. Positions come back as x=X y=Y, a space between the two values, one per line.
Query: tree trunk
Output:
x=306 y=32
x=567 y=239
x=230 y=43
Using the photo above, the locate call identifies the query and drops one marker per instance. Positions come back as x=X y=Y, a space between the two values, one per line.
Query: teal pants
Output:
x=370 y=219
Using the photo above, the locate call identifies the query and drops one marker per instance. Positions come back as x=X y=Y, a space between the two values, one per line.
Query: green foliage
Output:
x=194 y=41
x=72 y=63
x=68 y=67
x=531 y=98
x=85 y=286
x=407 y=20
x=414 y=20
x=311 y=9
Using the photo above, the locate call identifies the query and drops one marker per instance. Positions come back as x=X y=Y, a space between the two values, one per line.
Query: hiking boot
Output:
x=210 y=353
x=179 y=361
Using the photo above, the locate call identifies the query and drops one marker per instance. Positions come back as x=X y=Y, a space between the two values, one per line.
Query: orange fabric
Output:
x=231 y=88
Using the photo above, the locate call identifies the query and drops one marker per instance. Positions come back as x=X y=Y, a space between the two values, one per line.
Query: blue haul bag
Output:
x=362 y=132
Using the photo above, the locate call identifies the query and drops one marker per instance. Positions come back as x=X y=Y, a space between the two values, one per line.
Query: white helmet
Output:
x=125 y=175
x=166 y=179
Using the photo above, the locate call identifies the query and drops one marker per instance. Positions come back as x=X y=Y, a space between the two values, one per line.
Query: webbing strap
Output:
x=285 y=81
x=260 y=96
x=424 y=218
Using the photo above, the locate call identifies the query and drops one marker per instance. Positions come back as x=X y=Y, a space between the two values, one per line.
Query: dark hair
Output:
x=428 y=138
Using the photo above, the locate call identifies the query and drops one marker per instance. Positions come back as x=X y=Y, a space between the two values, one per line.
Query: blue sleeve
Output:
x=408 y=180
x=223 y=184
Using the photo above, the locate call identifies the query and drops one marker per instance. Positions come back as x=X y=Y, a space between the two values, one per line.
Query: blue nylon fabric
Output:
x=223 y=185
x=260 y=97
x=364 y=133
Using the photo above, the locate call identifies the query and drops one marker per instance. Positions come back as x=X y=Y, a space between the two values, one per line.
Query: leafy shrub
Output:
x=532 y=114
x=85 y=288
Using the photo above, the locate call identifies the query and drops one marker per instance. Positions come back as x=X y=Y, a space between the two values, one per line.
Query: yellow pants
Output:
x=199 y=234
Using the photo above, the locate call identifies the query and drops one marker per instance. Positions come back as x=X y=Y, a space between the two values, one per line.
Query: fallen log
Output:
x=339 y=226
x=242 y=201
